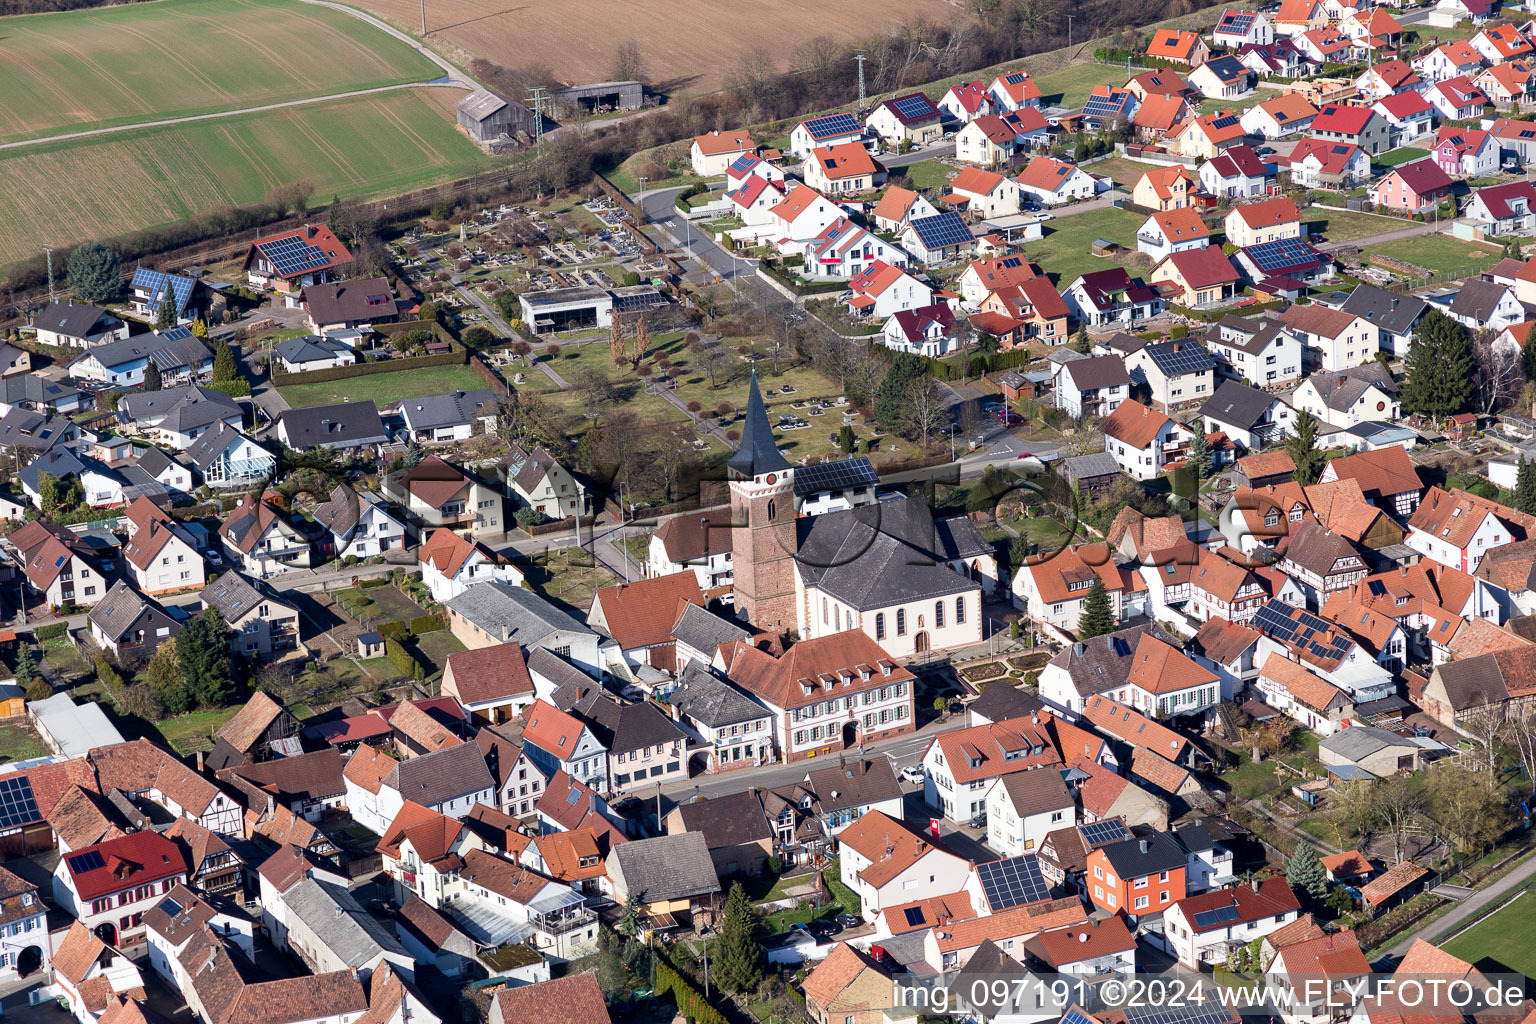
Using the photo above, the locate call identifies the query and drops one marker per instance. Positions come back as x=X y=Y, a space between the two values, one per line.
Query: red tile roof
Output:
x=125 y=863
x=642 y=613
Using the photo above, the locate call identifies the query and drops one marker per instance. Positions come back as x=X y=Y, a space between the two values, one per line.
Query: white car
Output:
x=912 y=773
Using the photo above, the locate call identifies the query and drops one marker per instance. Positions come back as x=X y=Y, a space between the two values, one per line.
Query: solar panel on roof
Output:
x=1237 y=22
x=942 y=230
x=1224 y=122
x=83 y=862
x=1216 y=917
x=1077 y=1017
x=1105 y=105
x=828 y=476
x=1184 y=1013
x=1012 y=882
x=912 y=107
x=914 y=916
x=832 y=124
x=1280 y=254
x=1185 y=358
x=171 y=906
x=1100 y=832
x=17 y=804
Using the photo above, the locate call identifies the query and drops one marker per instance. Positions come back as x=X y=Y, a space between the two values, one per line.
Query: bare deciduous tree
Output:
x=629 y=63
x=1399 y=807
x=925 y=410
x=1497 y=372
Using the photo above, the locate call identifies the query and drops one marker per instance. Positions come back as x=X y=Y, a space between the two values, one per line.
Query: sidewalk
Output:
x=1470 y=910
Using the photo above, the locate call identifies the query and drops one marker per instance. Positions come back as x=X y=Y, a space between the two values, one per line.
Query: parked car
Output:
x=979 y=820
x=913 y=773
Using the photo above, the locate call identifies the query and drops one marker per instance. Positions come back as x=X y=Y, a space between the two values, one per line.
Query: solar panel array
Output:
x=914 y=916
x=942 y=230
x=1099 y=832
x=170 y=906
x=1225 y=122
x=1236 y=22
x=832 y=124
x=911 y=108
x=1103 y=105
x=154 y=282
x=293 y=255
x=1016 y=77
x=832 y=476
x=1175 y=358
x=1280 y=254
x=1012 y=882
x=1076 y=1016
x=1210 y=1013
x=83 y=862
x=1219 y=916
x=17 y=804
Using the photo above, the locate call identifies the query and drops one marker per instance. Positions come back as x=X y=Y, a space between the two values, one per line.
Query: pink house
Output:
x=1412 y=187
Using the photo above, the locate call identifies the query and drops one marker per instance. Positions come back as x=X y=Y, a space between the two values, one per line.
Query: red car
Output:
x=1008 y=418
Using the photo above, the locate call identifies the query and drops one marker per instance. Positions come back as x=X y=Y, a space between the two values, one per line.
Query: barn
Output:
x=487 y=117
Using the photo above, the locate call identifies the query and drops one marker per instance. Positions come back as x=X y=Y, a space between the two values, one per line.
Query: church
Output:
x=888 y=569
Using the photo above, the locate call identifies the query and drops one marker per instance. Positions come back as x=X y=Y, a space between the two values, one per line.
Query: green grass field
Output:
x=1070 y=88
x=384 y=388
x=1063 y=252
x=1345 y=226
x=141 y=62
x=929 y=174
x=61 y=193
x=1508 y=937
x=1401 y=155
x=1439 y=253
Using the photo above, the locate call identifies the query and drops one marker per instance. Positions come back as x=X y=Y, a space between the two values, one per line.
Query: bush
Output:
x=369 y=584
x=237 y=388
x=52 y=631
x=402 y=659
x=427 y=624
x=396 y=630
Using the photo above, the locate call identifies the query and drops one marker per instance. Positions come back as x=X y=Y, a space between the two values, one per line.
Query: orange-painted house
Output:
x=1137 y=876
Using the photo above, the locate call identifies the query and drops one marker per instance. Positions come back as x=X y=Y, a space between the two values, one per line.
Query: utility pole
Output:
x=49 y=250
x=537 y=99
x=423 y=19
x=861 y=58
x=1069 y=30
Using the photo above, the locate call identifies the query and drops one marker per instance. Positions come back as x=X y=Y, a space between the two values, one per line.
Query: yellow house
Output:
x=848 y=987
x=1205 y=277
x=1204 y=138
x=1165 y=188
x=843 y=168
x=1267 y=221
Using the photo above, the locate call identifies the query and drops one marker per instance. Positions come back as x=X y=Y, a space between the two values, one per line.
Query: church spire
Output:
x=758 y=454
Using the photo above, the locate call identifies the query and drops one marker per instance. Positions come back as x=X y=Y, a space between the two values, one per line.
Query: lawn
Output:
x=384 y=388
x=195 y=729
x=1125 y=172
x=1507 y=938
x=1402 y=155
x=1063 y=252
x=928 y=174
x=387 y=603
x=66 y=192
x=1345 y=226
x=1070 y=88
x=1046 y=534
x=1441 y=254
x=19 y=741
x=1253 y=99
x=133 y=63
x=436 y=646
x=569 y=576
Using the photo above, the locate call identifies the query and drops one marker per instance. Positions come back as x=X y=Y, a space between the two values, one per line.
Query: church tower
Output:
x=763 y=540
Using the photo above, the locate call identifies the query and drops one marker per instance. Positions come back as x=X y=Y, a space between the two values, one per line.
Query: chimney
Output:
x=1145 y=845
x=199 y=762
x=1255 y=884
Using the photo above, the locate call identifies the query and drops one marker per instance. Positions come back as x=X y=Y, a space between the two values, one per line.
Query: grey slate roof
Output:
x=1341 y=389
x=171 y=350
x=512 y=613
x=623 y=727
x=340 y=512
x=1086 y=467
x=758 y=453
x=1130 y=860
x=1237 y=404
x=311 y=348
x=34 y=431
x=703 y=630
x=1099 y=372
x=1362 y=741
x=1393 y=313
x=331 y=426
x=154 y=462
x=704 y=697
x=1478 y=299
x=441 y=775
x=666 y=867
x=120 y=609
x=556 y=669
x=875 y=556
x=448 y=410
x=29 y=388
x=234 y=595
x=61 y=462
x=856 y=783
x=74 y=319
x=1111 y=653
x=180 y=409
x=1000 y=702
x=340 y=922
x=730 y=820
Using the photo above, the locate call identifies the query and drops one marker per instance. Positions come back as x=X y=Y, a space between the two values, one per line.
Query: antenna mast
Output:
x=537 y=99
x=861 y=58
x=49 y=250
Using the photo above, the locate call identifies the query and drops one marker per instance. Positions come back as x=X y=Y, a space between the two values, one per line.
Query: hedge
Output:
x=402 y=658
x=237 y=388
x=52 y=631
x=690 y=1001
x=396 y=630
x=374 y=581
x=427 y=624
x=456 y=357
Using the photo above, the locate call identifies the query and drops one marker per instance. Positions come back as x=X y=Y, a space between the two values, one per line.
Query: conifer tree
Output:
x=1098 y=617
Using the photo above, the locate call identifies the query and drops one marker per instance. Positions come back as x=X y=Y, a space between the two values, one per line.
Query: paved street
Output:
x=1470 y=909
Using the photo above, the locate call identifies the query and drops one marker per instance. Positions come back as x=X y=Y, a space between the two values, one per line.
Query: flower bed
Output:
x=985 y=670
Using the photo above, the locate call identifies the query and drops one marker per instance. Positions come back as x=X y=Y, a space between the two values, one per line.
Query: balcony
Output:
x=560 y=922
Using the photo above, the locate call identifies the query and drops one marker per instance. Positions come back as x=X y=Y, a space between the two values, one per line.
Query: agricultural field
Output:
x=61 y=193
x=1441 y=254
x=384 y=388
x=1063 y=252
x=106 y=66
x=689 y=48
x=1070 y=88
